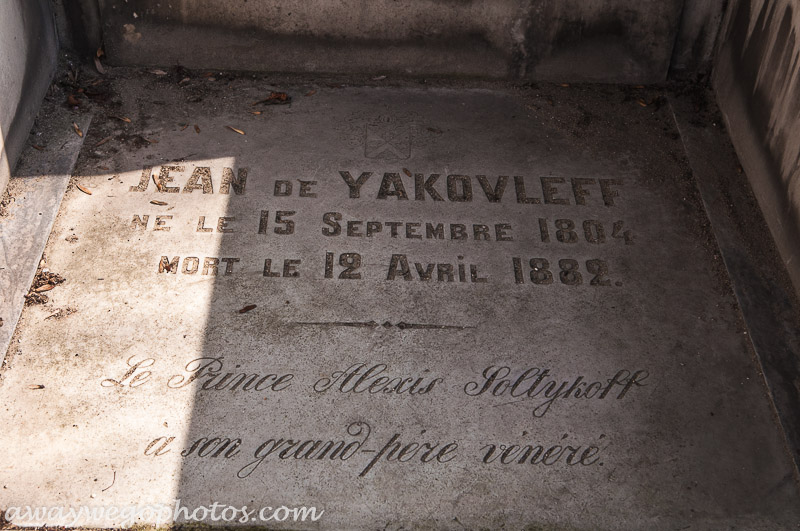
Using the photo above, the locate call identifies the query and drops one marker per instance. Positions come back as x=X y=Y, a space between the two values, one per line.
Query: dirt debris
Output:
x=44 y=280
x=4 y=204
x=61 y=313
x=275 y=98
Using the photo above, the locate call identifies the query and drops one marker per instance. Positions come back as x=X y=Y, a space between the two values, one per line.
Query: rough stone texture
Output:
x=757 y=79
x=600 y=41
x=38 y=186
x=27 y=61
x=762 y=286
x=693 y=55
x=692 y=442
x=609 y=41
x=78 y=26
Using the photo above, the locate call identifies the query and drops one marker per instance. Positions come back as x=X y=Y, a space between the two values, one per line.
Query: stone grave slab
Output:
x=403 y=307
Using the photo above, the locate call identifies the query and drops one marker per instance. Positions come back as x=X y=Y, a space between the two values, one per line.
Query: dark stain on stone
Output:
x=598 y=45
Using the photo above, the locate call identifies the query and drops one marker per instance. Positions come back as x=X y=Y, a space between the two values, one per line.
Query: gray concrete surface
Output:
x=756 y=80
x=27 y=61
x=169 y=288
x=36 y=191
x=560 y=40
x=762 y=285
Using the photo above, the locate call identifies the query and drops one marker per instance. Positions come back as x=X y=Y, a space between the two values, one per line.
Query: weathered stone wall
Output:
x=560 y=40
x=693 y=54
x=757 y=80
x=27 y=60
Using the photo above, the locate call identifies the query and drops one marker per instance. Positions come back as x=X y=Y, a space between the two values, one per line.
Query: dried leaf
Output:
x=37 y=147
x=642 y=103
x=77 y=129
x=247 y=308
x=311 y=92
x=72 y=100
x=123 y=118
x=150 y=140
x=197 y=129
x=99 y=66
x=84 y=190
x=255 y=112
x=407 y=172
x=103 y=141
x=100 y=52
x=275 y=98
x=564 y=84
x=46 y=287
x=158 y=183
x=104 y=168
x=208 y=74
x=184 y=126
x=184 y=80
x=235 y=130
x=158 y=72
x=36 y=386
x=159 y=203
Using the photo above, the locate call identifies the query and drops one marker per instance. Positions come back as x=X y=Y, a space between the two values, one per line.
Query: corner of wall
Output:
x=28 y=58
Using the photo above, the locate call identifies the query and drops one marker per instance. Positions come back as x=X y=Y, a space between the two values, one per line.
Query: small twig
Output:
x=112 y=482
